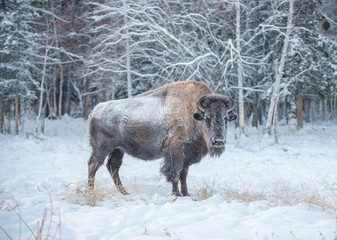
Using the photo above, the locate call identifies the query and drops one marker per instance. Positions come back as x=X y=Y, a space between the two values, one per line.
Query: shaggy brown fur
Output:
x=181 y=99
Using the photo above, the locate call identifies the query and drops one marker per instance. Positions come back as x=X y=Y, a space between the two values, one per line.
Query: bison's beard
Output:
x=216 y=151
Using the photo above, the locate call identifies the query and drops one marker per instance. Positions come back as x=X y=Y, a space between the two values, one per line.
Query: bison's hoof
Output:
x=177 y=194
x=122 y=190
x=186 y=194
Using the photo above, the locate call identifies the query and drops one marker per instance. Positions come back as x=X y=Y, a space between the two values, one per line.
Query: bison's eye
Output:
x=208 y=120
x=231 y=116
x=198 y=116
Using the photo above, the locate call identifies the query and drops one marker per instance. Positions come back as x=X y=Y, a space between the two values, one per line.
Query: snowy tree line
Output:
x=277 y=59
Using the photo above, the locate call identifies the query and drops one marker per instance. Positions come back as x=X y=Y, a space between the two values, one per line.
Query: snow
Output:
x=255 y=190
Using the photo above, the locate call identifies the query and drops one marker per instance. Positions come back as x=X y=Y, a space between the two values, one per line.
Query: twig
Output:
x=9 y=237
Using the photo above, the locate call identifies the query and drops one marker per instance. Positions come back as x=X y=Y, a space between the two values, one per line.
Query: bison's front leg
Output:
x=183 y=176
x=171 y=167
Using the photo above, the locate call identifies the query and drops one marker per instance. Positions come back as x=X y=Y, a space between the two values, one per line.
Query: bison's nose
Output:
x=218 y=142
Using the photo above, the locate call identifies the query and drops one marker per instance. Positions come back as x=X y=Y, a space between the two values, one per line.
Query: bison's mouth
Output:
x=216 y=151
x=217 y=146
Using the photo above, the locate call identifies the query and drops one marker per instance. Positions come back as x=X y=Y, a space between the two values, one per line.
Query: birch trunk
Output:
x=61 y=75
x=16 y=111
x=61 y=91
x=279 y=69
x=42 y=84
x=54 y=97
x=240 y=68
x=275 y=119
x=71 y=68
x=127 y=52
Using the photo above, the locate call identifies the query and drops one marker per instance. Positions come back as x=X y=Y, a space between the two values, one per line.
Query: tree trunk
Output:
x=61 y=74
x=72 y=50
x=9 y=129
x=2 y=120
x=61 y=91
x=320 y=110
x=275 y=120
x=292 y=119
x=285 y=111
x=50 y=108
x=299 y=112
x=42 y=82
x=307 y=108
x=68 y=92
x=334 y=107
x=127 y=53
x=326 y=113
x=313 y=111
x=279 y=69
x=240 y=68
x=43 y=116
x=85 y=98
x=331 y=108
x=16 y=110
x=255 y=112
x=113 y=89
x=54 y=97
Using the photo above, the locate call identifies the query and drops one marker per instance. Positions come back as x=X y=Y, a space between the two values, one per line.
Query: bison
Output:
x=180 y=122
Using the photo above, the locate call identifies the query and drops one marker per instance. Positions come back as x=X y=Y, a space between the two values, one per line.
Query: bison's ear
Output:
x=199 y=116
x=232 y=116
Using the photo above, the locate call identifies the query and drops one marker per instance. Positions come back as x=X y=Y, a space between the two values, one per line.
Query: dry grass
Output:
x=246 y=193
x=84 y=195
x=284 y=194
x=205 y=191
x=279 y=193
x=46 y=228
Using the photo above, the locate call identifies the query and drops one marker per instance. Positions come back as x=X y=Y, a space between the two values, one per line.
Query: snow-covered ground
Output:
x=256 y=190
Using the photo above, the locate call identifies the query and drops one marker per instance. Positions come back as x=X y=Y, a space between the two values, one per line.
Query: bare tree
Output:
x=43 y=77
x=279 y=71
x=240 y=67
x=127 y=52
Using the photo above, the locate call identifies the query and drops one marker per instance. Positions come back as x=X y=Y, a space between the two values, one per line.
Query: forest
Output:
x=276 y=59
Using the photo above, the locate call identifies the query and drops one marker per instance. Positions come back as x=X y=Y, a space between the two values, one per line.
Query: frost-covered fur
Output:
x=162 y=123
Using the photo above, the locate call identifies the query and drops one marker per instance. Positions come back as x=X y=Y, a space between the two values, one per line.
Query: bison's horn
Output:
x=229 y=109
x=199 y=104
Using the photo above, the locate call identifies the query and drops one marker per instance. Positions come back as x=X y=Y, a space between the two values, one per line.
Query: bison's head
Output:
x=215 y=111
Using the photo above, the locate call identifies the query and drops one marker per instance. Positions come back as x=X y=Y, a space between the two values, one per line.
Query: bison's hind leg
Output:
x=95 y=161
x=113 y=165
